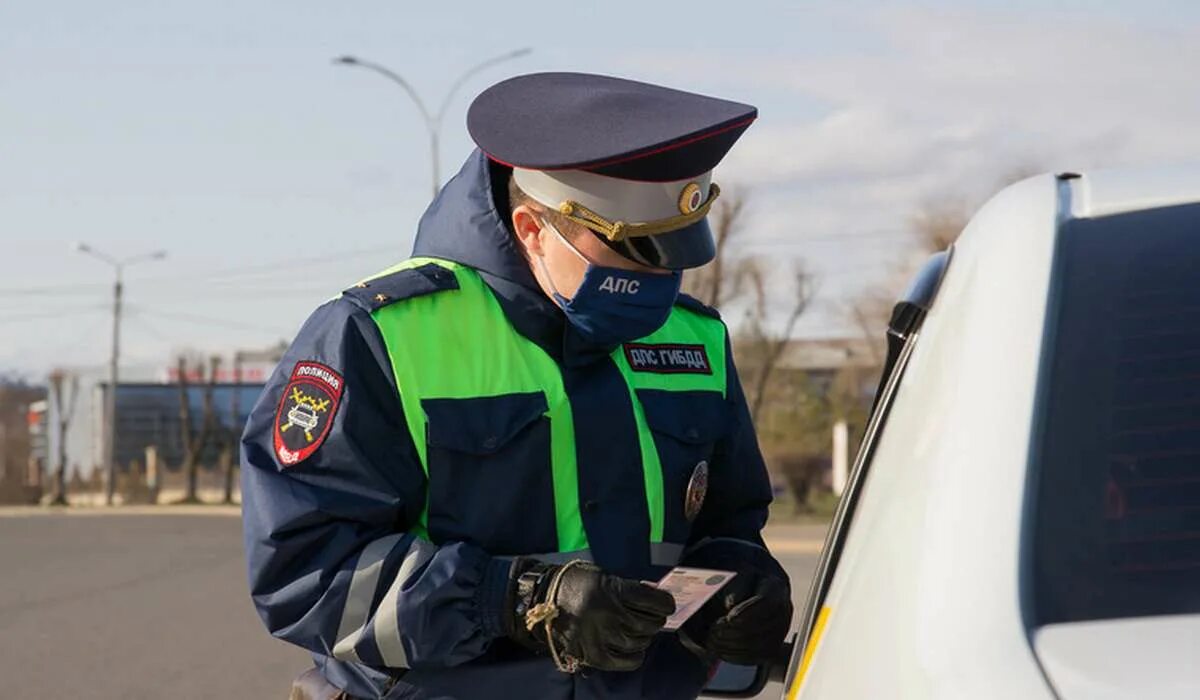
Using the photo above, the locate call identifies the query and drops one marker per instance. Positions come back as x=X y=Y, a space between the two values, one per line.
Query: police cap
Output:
x=630 y=161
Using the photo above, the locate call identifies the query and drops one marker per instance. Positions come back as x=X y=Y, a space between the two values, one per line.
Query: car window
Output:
x=1116 y=462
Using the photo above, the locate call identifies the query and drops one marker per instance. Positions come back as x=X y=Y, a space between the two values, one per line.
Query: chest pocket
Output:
x=490 y=475
x=686 y=426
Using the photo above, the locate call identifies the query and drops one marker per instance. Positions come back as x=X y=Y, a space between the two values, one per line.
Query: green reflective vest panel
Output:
x=458 y=344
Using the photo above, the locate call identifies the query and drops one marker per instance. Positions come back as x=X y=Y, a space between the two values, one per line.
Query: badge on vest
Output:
x=668 y=358
x=306 y=411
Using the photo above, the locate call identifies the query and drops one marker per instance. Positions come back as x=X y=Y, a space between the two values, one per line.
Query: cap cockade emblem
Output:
x=690 y=198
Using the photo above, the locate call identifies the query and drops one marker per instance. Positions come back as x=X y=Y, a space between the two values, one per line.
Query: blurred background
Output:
x=242 y=176
x=197 y=177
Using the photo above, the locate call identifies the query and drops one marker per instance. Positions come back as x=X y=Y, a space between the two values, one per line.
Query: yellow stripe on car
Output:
x=809 y=649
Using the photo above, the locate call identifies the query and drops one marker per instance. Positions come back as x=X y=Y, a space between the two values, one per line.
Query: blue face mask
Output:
x=614 y=306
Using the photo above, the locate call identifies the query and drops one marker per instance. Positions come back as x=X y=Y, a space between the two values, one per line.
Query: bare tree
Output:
x=765 y=346
x=760 y=342
x=789 y=411
x=935 y=226
x=938 y=223
x=195 y=441
x=728 y=279
x=65 y=411
x=780 y=403
x=229 y=442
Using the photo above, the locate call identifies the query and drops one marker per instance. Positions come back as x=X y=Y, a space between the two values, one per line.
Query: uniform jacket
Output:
x=334 y=557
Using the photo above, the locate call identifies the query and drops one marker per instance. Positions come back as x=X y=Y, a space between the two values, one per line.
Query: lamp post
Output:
x=433 y=120
x=110 y=403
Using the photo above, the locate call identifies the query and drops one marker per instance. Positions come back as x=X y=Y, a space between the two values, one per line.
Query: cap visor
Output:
x=682 y=249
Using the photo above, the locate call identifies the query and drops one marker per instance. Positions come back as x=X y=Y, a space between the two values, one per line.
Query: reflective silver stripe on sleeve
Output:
x=387 y=624
x=358 y=599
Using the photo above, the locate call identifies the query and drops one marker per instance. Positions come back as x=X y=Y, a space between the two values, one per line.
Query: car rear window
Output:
x=1116 y=465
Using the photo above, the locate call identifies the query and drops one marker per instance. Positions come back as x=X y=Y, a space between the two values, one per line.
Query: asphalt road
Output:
x=146 y=606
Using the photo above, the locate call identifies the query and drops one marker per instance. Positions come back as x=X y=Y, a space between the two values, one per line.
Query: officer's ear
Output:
x=527 y=227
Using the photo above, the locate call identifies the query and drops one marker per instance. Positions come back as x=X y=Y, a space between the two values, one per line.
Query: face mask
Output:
x=613 y=306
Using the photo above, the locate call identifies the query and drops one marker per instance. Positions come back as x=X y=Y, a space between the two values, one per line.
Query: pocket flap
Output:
x=694 y=417
x=482 y=425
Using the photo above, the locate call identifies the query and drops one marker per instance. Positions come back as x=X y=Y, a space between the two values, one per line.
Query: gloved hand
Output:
x=744 y=623
x=594 y=619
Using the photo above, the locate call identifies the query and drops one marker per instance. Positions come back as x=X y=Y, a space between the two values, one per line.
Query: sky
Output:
x=221 y=133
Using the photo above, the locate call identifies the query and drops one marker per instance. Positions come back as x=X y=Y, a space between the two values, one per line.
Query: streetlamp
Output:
x=433 y=121
x=110 y=403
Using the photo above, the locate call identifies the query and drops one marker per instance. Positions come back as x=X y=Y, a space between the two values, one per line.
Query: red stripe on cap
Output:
x=635 y=156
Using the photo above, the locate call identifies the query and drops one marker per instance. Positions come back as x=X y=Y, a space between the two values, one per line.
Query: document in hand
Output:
x=691 y=588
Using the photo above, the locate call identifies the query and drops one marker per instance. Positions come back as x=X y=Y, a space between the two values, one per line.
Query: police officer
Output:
x=465 y=467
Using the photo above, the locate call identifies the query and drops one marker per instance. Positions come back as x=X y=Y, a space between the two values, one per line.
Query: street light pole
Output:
x=110 y=402
x=433 y=120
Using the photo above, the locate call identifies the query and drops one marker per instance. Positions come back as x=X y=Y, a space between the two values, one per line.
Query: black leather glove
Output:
x=602 y=621
x=745 y=623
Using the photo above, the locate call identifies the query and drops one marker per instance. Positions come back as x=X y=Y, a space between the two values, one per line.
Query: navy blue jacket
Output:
x=332 y=564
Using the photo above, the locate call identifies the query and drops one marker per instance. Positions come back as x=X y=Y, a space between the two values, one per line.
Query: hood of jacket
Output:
x=466 y=224
x=463 y=224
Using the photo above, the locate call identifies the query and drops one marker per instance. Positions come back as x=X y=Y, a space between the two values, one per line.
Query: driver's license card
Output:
x=691 y=589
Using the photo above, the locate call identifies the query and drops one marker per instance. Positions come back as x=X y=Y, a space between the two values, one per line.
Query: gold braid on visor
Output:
x=620 y=230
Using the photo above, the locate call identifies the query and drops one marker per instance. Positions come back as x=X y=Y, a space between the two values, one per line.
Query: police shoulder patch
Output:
x=306 y=411
x=403 y=284
x=693 y=304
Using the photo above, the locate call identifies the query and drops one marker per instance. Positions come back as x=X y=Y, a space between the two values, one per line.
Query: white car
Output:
x=1023 y=519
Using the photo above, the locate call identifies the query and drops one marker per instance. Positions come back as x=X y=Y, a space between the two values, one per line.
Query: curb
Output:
x=98 y=511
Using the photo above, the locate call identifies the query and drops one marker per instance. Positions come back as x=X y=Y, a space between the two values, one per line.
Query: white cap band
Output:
x=630 y=201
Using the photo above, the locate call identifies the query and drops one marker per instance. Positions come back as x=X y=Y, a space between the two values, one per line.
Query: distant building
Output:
x=37 y=420
x=849 y=366
x=149 y=414
x=18 y=482
x=822 y=360
x=148 y=410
